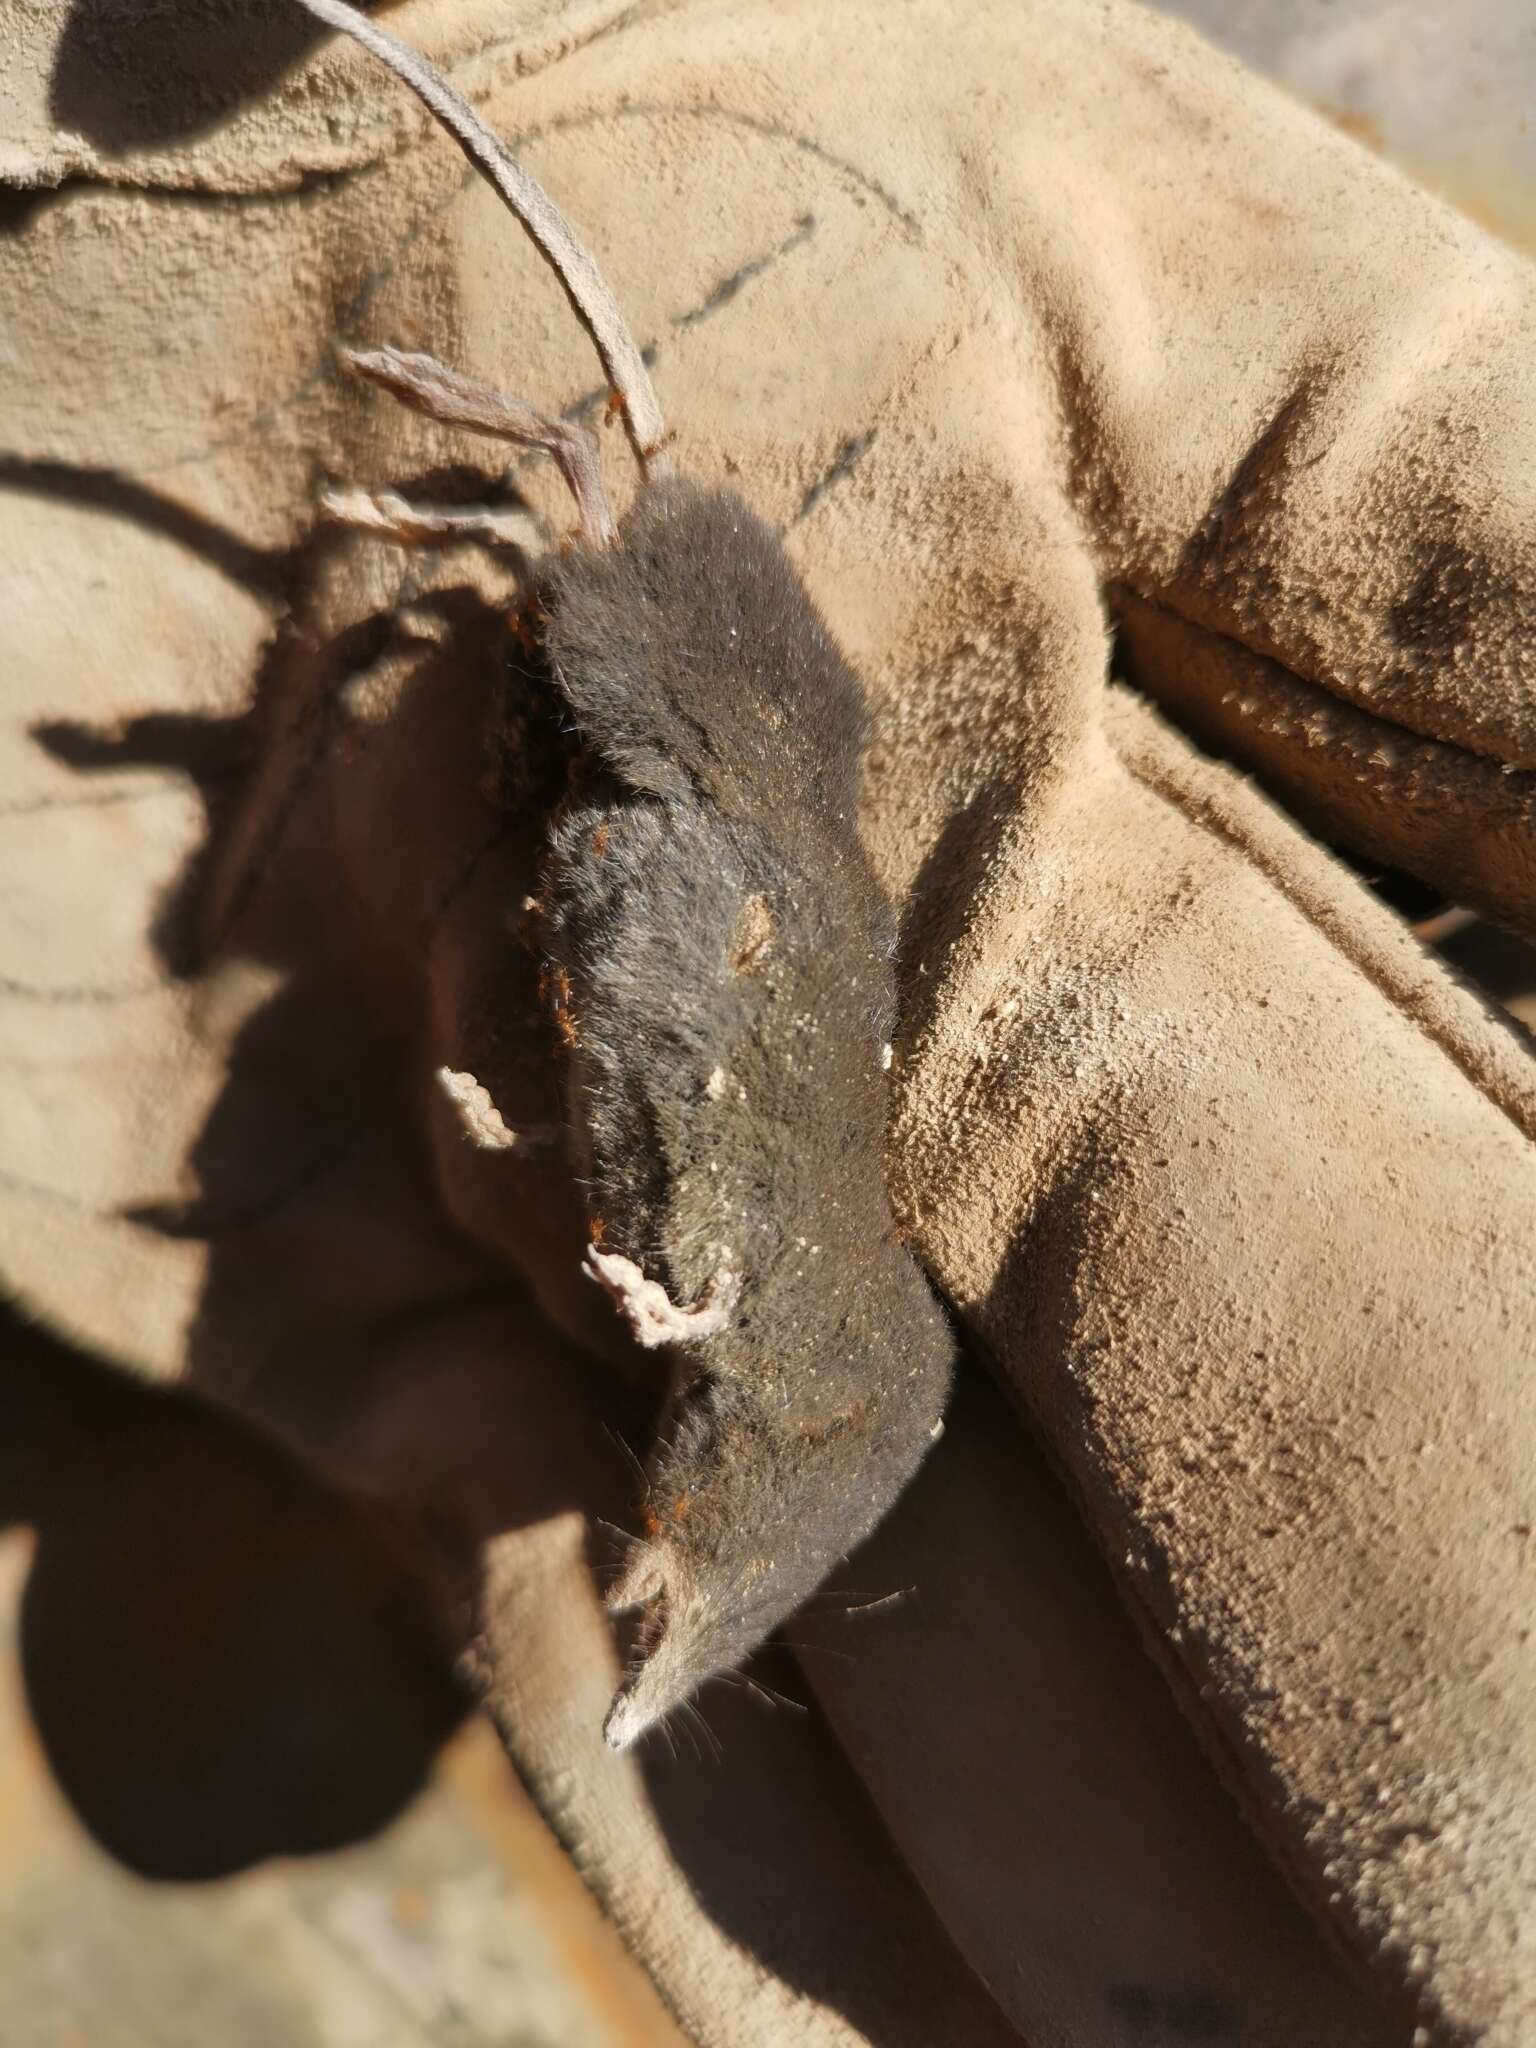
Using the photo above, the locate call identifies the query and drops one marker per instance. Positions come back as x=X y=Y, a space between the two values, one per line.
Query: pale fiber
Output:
x=651 y=1313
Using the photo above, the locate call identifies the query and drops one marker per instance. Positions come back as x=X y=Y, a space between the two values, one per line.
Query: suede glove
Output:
x=1069 y=357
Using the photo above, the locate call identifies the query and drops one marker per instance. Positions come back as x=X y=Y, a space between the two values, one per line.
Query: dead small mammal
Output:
x=720 y=967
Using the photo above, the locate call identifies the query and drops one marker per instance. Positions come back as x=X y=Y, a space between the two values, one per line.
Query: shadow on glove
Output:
x=223 y=1660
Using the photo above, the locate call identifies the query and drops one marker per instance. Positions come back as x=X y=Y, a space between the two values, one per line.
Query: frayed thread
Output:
x=653 y=1317
x=481 y=1121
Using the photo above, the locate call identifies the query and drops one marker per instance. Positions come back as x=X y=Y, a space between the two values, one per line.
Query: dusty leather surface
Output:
x=1079 y=327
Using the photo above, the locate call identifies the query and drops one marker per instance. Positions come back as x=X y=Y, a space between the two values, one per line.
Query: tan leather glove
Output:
x=1032 y=325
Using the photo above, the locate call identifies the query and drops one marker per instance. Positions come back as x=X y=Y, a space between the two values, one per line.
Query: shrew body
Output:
x=720 y=968
x=725 y=958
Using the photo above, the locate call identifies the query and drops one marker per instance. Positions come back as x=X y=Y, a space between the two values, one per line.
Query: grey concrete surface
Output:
x=242 y=1804
x=1446 y=91
x=459 y=1925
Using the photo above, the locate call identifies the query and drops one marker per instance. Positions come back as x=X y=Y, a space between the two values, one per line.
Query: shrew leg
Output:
x=404 y=520
x=429 y=387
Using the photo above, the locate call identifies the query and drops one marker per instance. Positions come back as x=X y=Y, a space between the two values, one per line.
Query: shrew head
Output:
x=754 y=1496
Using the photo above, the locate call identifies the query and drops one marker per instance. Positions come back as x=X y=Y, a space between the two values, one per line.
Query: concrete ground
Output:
x=1448 y=92
x=247 y=1861
x=459 y=1925
x=248 y=1807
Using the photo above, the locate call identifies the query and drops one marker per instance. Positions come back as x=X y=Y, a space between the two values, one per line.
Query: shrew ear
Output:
x=695 y=1419
x=689 y=1442
x=663 y=1668
x=642 y=1580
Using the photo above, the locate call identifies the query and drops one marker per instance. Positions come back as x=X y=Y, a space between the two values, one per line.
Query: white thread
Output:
x=652 y=1315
